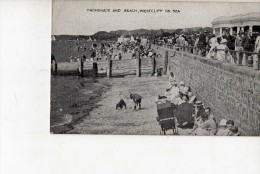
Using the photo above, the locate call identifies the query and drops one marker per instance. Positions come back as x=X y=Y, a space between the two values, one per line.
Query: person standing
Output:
x=246 y=41
x=202 y=43
x=222 y=48
x=257 y=43
x=230 y=40
x=238 y=45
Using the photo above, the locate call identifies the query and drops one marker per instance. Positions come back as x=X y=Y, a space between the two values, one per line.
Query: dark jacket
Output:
x=136 y=97
x=246 y=43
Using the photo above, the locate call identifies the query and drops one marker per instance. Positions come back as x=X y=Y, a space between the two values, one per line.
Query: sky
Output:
x=74 y=17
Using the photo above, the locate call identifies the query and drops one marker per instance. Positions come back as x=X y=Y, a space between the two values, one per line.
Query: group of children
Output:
x=205 y=124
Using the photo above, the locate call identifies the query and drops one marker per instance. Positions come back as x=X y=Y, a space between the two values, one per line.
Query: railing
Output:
x=240 y=58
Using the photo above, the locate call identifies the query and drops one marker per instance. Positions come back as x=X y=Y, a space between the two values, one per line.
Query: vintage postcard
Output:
x=155 y=68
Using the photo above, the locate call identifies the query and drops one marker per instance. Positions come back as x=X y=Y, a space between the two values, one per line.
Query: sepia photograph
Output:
x=155 y=68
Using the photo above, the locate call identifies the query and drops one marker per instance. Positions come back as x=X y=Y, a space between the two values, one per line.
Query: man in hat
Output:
x=199 y=110
x=238 y=44
x=246 y=41
x=257 y=43
x=230 y=40
x=202 y=43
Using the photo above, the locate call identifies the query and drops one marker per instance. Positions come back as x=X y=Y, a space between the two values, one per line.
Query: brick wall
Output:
x=233 y=92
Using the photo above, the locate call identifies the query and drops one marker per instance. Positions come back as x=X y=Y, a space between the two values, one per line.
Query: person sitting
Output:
x=177 y=100
x=181 y=86
x=159 y=70
x=230 y=123
x=206 y=127
x=208 y=111
x=199 y=110
x=222 y=128
x=233 y=131
x=171 y=79
x=185 y=92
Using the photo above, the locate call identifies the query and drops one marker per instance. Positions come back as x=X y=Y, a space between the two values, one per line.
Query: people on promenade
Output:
x=171 y=79
x=257 y=43
x=222 y=51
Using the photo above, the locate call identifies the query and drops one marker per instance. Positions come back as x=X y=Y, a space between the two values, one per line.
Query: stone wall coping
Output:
x=232 y=68
x=244 y=71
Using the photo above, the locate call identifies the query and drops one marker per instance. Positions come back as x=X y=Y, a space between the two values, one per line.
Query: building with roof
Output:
x=231 y=24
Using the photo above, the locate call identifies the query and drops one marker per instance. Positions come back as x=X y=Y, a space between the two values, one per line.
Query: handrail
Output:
x=235 y=57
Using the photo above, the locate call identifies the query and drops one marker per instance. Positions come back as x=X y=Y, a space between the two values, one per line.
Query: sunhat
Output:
x=198 y=103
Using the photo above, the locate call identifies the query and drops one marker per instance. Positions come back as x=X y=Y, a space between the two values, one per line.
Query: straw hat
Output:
x=223 y=122
x=198 y=103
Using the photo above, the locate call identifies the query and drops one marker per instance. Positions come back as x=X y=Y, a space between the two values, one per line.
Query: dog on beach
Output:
x=121 y=104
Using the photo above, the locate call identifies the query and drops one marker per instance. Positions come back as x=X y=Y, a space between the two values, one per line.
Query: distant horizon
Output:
x=129 y=30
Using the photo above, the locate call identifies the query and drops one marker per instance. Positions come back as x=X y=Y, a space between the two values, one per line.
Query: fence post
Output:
x=244 y=61
x=226 y=54
x=80 y=67
x=54 y=67
x=239 y=58
x=138 y=64
x=153 y=62
x=95 y=69
x=109 y=66
x=233 y=58
x=165 y=62
x=256 y=62
x=215 y=53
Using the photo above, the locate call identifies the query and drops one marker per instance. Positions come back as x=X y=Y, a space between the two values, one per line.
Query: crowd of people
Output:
x=204 y=123
x=205 y=43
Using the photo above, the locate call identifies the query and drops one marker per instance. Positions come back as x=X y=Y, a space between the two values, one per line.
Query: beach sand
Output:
x=105 y=119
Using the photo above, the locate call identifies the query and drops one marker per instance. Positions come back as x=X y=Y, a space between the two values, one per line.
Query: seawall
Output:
x=231 y=91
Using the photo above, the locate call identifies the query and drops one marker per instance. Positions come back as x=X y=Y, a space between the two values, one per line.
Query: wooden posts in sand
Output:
x=109 y=66
x=153 y=62
x=54 y=67
x=165 y=62
x=80 y=67
x=138 y=64
x=95 y=69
